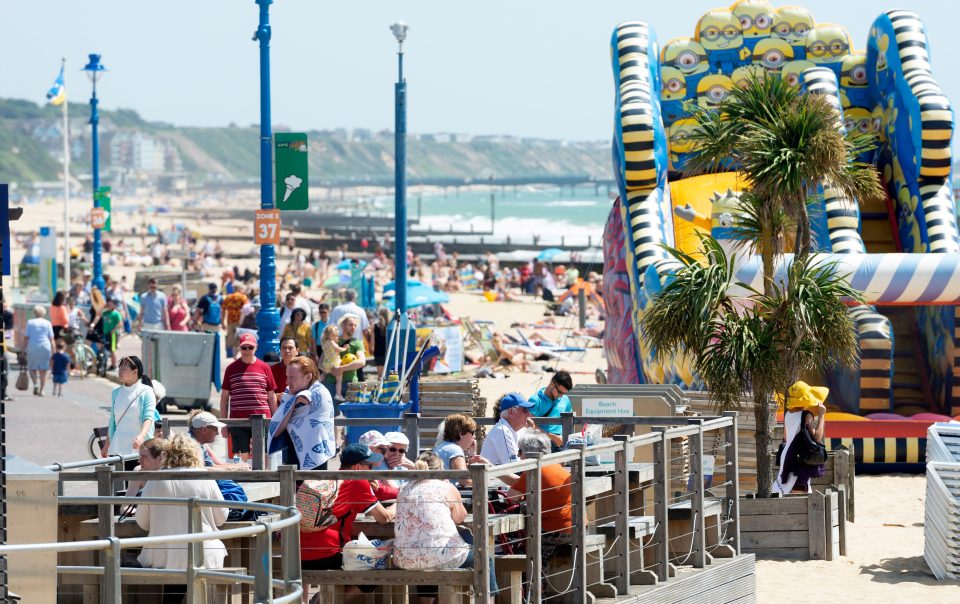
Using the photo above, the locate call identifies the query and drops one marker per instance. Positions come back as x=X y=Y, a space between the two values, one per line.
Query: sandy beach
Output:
x=884 y=561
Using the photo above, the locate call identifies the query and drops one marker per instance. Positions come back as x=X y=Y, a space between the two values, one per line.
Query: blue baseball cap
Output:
x=514 y=400
x=355 y=453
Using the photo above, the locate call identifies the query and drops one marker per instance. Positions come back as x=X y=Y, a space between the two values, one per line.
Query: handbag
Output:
x=809 y=451
x=23 y=382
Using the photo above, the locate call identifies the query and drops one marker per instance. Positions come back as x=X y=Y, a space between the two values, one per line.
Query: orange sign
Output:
x=98 y=218
x=266 y=227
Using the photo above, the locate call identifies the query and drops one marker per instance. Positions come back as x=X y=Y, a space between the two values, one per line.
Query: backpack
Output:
x=315 y=499
x=211 y=315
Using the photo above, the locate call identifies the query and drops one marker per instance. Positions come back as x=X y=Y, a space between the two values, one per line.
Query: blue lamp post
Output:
x=399 y=30
x=268 y=319
x=95 y=69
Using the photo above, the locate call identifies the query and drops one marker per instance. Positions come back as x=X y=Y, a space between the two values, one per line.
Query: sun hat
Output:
x=356 y=453
x=247 y=338
x=373 y=438
x=205 y=419
x=803 y=396
x=514 y=400
x=397 y=438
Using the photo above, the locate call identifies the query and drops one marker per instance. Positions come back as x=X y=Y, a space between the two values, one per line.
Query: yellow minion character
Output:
x=712 y=89
x=755 y=16
x=674 y=84
x=742 y=74
x=883 y=42
x=876 y=117
x=686 y=55
x=853 y=71
x=792 y=23
x=828 y=43
x=791 y=71
x=858 y=119
x=721 y=36
x=680 y=132
x=772 y=54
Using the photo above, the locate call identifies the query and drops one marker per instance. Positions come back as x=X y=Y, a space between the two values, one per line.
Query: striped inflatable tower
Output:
x=873 y=329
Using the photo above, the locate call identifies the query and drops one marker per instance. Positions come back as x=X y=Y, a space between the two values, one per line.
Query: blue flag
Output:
x=58 y=92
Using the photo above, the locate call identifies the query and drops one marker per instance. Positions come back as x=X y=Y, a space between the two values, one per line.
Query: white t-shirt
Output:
x=501 y=444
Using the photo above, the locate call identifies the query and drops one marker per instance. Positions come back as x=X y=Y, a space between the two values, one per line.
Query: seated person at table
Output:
x=323 y=550
x=428 y=512
x=556 y=498
x=182 y=453
x=551 y=401
x=378 y=443
x=458 y=443
x=151 y=459
x=500 y=445
x=204 y=426
x=396 y=458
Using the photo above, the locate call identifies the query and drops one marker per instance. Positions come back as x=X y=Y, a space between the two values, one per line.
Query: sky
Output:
x=536 y=68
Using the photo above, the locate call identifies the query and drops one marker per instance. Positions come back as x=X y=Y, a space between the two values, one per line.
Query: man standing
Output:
x=500 y=446
x=323 y=319
x=288 y=352
x=349 y=307
x=232 y=305
x=248 y=389
x=350 y=340
x=208 y=312
x=551 y=401
x=154 y=315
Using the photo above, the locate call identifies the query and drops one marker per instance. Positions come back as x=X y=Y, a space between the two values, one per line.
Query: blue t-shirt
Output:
x=61 y=363
x=447 y=452
x=152 y=305
x=544 y=407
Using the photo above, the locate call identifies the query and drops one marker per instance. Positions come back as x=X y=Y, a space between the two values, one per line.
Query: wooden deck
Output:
x=725 y=581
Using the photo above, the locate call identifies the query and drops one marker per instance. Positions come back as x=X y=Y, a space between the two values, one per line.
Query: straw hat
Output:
x=802 y=396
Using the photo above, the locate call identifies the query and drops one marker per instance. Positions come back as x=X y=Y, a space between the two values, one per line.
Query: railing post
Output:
x=732 y=475
x=696 y=503
x=196 y=592
x=166 y=427
x=412 y=421
x=578 y=490
x=257 y=444
x=262 y=564
x=104 y=510
x=534 y=527
x=289 y=536
x=621 y=494
x=661 y=485
x=566 y=424
x=110 y=583
x=481 y=545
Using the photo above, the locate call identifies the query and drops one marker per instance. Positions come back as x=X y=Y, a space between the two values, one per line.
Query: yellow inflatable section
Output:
x=693 y=206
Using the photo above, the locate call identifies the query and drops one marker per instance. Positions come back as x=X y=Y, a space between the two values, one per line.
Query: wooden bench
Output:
x=642 y=551
x=145 y=589
x=330 y=580
x=680 y=516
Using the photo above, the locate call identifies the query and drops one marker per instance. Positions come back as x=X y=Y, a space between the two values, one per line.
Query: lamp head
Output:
x=94 y=68
x=399 y=30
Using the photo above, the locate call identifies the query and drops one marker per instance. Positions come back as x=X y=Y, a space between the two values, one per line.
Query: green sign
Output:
x=102 y=196
x=290 y=154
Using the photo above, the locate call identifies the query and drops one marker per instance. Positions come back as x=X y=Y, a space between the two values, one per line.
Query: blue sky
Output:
x=530 y=68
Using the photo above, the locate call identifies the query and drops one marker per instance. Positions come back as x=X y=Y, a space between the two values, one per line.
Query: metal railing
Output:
x=656 y=515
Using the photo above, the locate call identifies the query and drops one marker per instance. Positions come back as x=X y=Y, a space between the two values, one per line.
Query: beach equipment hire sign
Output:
x=290 y=154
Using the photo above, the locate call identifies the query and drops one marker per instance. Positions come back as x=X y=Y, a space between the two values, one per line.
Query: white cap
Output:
x=374 y=438
x=397 y=438
x=204 y=419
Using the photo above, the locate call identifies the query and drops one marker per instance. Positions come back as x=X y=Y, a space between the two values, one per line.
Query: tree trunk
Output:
x=761 y=413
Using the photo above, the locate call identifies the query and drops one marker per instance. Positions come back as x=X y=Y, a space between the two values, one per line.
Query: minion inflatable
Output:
x=903 y=253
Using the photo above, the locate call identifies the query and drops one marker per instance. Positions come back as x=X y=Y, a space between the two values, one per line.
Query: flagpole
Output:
x=66 y=186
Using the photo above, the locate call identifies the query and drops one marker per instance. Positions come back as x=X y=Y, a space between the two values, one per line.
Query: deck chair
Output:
x=553 y=350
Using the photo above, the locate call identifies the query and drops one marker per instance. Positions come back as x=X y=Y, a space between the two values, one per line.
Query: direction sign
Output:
x=266 y=227
x=102 y=196
x=290 y=154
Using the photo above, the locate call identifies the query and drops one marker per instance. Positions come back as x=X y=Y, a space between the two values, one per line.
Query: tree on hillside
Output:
x=785 y=145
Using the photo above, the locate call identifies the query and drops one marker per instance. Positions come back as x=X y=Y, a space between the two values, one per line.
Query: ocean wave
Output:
x=516 y=228
x=574 y=204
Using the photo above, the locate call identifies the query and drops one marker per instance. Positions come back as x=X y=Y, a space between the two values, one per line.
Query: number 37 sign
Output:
x=266 y=227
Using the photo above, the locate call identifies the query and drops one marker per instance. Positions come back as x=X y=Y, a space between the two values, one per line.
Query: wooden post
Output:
x=732 y=474
x=481 y=546
x=196 y=592
x=165 y=427
x=105 y=511
x=289 y=536
x=534 y=527
x=262 y=562
x=110 y=590
x=257 y=444
x=578 y=490
x=621 y=494
x=698 y=523
x=412 y=421
x=816 y=537
x=566 y=424
x=661 y=485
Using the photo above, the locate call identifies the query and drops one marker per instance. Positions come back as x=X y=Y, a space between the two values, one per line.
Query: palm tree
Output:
x=785 y=145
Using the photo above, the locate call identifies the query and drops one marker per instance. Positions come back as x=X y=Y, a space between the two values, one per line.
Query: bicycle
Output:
x=84 y=357
x=96 y=442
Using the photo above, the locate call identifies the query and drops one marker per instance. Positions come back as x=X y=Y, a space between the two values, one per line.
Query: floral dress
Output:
x=426 y=534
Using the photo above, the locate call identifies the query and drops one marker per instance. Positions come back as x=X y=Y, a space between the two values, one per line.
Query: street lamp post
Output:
x=399 y=30
x=268 y=319
x=95 y=69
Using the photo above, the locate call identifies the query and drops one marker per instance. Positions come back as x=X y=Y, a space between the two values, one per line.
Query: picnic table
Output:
x=499 y=524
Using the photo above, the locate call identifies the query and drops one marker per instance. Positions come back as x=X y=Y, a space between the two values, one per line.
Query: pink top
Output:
x=178 y=316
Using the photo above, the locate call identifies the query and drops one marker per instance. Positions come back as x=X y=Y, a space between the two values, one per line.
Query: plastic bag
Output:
x=590 y=435
x=364 y=554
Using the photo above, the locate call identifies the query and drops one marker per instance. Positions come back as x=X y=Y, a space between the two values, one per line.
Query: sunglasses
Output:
x=248 y=348
x=396 y=450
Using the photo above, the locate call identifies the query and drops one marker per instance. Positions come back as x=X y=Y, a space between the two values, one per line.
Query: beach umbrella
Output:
x=346 y=265
x=549 y=254
x=337 y=281
x=389 y=287
x=418 y=294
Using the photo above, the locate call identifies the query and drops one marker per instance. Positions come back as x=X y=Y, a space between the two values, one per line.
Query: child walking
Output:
x=331 y=356
x=60 y=368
